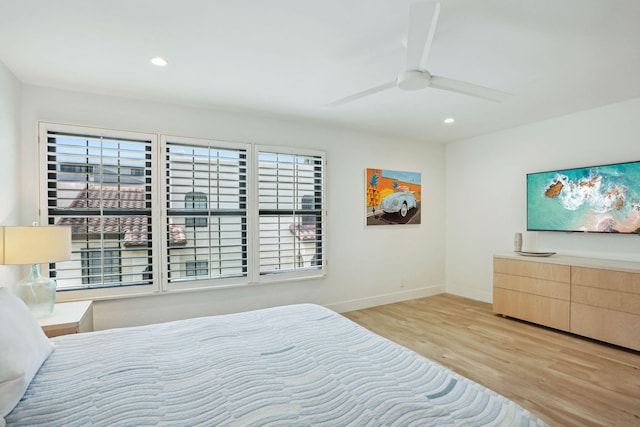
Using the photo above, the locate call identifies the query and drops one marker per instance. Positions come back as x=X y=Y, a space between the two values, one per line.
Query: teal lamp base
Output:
x=37 y=292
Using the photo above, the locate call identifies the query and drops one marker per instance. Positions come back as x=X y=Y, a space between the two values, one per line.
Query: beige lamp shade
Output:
x=34 y=244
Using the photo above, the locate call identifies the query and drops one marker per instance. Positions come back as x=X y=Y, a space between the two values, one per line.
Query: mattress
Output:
x=285 y=366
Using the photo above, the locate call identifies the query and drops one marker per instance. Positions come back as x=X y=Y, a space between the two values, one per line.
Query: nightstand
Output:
x=68 y=318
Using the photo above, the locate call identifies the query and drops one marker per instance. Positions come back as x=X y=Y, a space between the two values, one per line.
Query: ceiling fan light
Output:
x=413 y=80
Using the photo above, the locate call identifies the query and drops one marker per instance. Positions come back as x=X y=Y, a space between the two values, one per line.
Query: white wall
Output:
x=366 y=266
x=486 y=190
x=481 y=180
x=10 y=89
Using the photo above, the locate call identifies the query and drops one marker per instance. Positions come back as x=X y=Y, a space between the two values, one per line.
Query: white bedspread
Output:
x=287 y=366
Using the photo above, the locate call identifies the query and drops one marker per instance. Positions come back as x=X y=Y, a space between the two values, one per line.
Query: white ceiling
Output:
x=293 y=57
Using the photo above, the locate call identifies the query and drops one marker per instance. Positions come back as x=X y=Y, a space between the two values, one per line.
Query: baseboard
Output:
x=470 y=293
x=359 y=304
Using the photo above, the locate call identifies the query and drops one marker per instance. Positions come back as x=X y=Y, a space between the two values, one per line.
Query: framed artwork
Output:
x=392 y=197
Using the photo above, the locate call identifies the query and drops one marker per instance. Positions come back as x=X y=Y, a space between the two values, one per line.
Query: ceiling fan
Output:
x=423 y=17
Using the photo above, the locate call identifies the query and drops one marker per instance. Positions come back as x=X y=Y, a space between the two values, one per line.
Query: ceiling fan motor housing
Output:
x=413 y=79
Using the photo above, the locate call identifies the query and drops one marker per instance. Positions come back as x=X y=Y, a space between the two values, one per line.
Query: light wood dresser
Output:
x=596 y=298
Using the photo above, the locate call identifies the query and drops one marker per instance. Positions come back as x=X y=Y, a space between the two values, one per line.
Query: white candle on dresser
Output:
x=517 y=242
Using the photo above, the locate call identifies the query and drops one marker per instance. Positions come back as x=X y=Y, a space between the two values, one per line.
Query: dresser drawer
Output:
x=530 y=285
x=612 y=300
x=606 y=279
x=543 y=310
x=537 y=270
x=612 y=326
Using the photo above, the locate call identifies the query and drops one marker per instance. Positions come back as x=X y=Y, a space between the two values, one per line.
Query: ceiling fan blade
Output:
x=469 y=89
x=362 y=94
x=423 y=18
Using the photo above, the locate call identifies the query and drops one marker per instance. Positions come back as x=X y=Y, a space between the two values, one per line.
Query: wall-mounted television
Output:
x=599 y=199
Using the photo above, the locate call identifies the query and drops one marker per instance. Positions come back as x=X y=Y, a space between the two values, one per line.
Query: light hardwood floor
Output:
x=565 y=379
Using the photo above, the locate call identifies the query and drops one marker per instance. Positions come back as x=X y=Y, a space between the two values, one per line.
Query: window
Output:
x=76 y=168
x=109 y=211
x=197 y=202
x=200 y=170
x=101 y=266
x=153 y=213
x=291 y=207
x=197 y=268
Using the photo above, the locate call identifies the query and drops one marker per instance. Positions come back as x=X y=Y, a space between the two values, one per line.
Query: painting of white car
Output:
x=399 y=202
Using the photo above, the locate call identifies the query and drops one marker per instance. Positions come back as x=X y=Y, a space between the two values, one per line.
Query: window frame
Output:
x=97 y=293
x=301 y=273
x=204 y=283
x=160 y=245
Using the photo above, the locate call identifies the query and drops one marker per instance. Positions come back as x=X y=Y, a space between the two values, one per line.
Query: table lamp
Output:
x=35 y=245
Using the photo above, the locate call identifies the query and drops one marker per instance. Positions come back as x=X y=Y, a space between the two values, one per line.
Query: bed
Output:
x=285 y=366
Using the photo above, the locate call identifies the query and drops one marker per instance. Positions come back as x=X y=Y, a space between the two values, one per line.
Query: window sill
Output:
x=186 y=287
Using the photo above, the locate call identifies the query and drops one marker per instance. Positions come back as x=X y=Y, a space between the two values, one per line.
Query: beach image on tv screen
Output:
x=603 y=199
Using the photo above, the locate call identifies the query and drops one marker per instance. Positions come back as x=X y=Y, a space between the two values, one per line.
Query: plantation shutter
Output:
x=101 y=187
x=153 y=213
x=206 y=201
x=291 y=212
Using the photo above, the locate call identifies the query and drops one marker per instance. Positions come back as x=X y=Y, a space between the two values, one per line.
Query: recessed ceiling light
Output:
x=160 y=62
x=449 y=120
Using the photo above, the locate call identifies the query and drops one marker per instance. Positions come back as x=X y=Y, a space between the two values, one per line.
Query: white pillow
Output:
x=24 y=347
